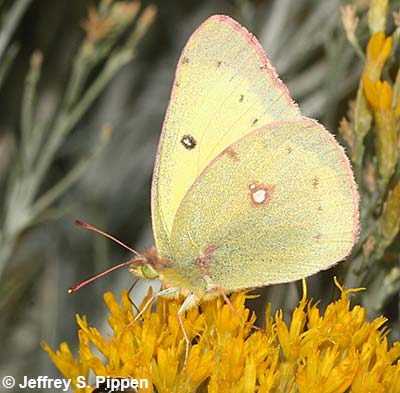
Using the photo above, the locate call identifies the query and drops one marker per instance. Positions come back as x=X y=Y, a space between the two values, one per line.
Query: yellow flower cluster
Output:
x=337 y=351
x=109 y=18
x=376 y=100
x=385 y=107
x=378 y=51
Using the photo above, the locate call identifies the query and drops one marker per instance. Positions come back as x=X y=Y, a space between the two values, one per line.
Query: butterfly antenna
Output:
x=89 y=280
x=85 y=225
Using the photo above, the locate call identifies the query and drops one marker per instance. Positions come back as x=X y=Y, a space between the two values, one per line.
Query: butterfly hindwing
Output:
x=266 y=209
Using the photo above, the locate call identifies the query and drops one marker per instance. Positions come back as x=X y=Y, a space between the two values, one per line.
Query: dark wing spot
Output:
x=241 y=98
x=254 y=122
x=185 y=60
x=289 y=150
x=188 y=142
x=219 y=62
x=231 y=152
x=315 y=182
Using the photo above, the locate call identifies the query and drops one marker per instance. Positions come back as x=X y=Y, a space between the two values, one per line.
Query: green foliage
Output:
x=372 y=133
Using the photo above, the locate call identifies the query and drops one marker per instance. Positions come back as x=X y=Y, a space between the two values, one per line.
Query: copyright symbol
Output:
x=8 y=382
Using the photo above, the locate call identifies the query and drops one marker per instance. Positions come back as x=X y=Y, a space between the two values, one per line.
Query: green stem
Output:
x=5 y=64
x=27 y=117
x=66 y=122
x=11 y=23
x=65 y=183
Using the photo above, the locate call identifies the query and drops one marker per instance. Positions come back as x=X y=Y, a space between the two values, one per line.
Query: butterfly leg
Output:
x=229 y=303
x=164 y=292
x=189 y=302
x=129 y=295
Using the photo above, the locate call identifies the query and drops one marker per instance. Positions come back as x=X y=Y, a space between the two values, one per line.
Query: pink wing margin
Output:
x=354 y=188
x=269 y=69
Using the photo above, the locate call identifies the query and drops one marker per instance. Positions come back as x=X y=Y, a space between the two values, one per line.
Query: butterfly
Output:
x=246 y=191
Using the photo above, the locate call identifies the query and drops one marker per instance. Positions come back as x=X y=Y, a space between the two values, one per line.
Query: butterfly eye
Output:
x=148 y=271
x=188 y=142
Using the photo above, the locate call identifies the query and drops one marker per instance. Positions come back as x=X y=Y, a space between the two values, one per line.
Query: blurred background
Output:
x=84 y=87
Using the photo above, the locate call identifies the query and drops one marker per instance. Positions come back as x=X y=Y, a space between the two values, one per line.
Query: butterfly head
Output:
x=148 y=265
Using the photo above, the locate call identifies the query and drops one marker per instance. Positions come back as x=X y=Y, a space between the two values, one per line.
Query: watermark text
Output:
x=63 y=384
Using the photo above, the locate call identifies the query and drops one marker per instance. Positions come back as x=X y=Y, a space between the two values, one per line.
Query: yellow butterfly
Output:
x=246 y=191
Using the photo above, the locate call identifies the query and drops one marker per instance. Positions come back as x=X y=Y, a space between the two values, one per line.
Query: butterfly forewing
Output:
x=224 y=88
